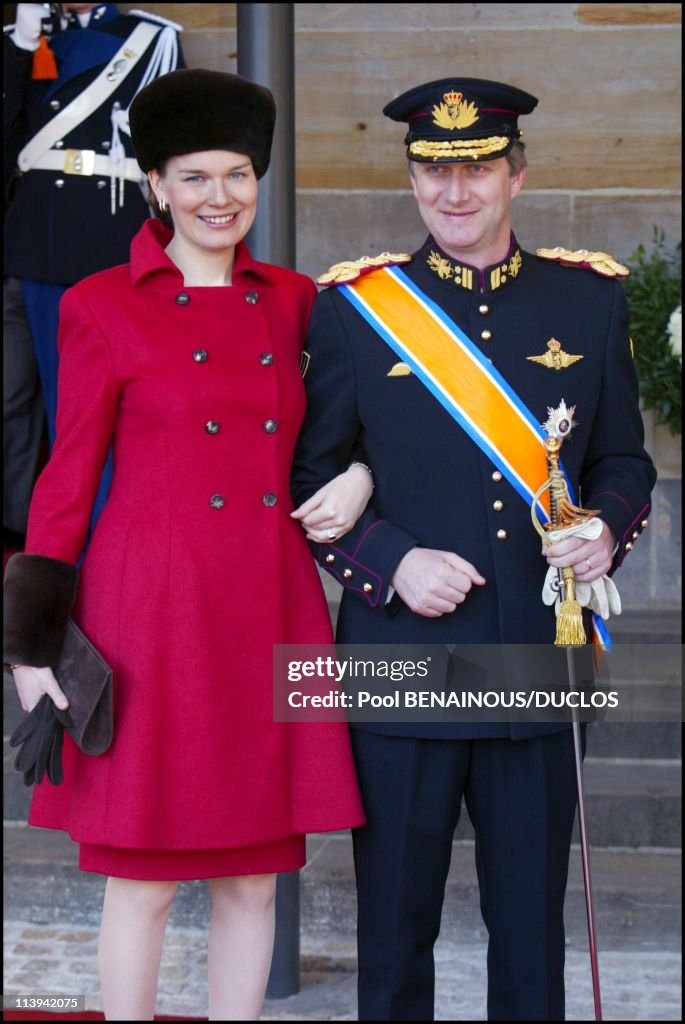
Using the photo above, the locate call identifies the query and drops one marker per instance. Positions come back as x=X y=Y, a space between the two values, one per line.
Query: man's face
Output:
x=466 y=207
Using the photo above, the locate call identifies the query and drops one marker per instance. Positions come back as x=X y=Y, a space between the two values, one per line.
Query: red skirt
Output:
x=186 y=865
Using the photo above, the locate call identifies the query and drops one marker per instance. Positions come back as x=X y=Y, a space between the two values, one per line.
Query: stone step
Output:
x=630 y=802
x=640 y=888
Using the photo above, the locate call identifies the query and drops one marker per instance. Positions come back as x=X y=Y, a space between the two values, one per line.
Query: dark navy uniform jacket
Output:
x=433 y=486
x=60 y=234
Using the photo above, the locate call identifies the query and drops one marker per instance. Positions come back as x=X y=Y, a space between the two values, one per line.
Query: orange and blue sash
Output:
x=462 y=379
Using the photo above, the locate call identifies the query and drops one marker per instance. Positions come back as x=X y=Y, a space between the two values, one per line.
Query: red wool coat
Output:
x=195 y=568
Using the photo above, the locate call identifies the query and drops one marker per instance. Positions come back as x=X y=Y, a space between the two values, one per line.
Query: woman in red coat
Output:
x=188 y=361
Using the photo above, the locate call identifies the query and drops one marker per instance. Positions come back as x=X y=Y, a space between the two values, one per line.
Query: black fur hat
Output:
x=194 y=110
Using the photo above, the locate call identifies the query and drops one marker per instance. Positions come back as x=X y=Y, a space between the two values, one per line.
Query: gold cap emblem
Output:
x=455 y=112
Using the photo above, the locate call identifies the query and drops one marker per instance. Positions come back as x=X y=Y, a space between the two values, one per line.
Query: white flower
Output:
x=675 y=333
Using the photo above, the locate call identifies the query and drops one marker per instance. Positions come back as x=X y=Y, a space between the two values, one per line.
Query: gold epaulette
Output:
x=350 y=270
x=601 y=262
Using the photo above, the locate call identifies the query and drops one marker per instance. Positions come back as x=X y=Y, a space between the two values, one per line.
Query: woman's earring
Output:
x=161 y=202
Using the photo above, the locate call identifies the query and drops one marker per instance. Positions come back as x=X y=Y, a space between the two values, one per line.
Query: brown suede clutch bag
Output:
x=86 y=679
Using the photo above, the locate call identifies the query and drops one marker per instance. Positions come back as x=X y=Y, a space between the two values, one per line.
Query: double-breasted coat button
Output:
x=54 y=104
x=636 y=534
x=252 y=298
x=59 y=144
x=347 y=573
x=59 y=183
x=271 y=426
x=501 y=535
x=200 y=355
x=217 y=501
x=266 y=359
x=270 y=499
x=212 y=427
x=498 y=505
x=183 y=298
x=486 y=335
x=629 y=546
x=368 y=588
x=483 y=309
x=497 y=476
x=330 y=559
x=643 y=524
x=102 y=183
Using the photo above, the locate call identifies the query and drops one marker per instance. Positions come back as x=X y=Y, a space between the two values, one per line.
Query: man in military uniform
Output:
x=76 y=194
x=426 y=362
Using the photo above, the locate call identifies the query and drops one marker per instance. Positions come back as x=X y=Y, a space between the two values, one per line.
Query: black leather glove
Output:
x=39 y=738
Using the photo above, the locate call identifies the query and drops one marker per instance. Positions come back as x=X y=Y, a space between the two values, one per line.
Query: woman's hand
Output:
x=32 y=683
x=336 y=506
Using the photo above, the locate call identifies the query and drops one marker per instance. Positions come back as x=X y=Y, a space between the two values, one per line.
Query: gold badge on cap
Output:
x=455 y=112
x=555 y=358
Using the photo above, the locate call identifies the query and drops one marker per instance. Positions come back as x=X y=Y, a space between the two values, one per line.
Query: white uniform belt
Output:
x=87 y=162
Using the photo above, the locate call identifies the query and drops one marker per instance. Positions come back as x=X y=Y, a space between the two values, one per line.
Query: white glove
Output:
x=601 y=596
x=28 y=25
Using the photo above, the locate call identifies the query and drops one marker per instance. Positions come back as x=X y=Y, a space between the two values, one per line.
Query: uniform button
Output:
x=270 y=499
x=59 y=144
x=497 y=476
x=501 y=535
x=59 y=183
x=330 y=559
x=629 y=546
x=266 y=359
x=643 y=524
x=183 y=298
x=498 y=505
x=483 y=309
x=102 y=183
x=636 y=535
x=104 y=145
x=217 y=501
x=347 y=573
x=486 y=335
x=54 y=104
x=199 y=355
x=212 y=427
x=368 y=588
x=270 y=426
x=252 y=298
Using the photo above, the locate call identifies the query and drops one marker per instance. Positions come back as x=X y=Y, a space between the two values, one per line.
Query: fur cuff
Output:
x=39 y=594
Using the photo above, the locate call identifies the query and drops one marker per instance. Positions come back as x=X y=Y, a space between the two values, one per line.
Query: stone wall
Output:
x=603 y=146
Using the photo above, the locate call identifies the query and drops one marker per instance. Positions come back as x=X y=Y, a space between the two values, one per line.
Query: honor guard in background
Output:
x=76 y=194
x=443 y=365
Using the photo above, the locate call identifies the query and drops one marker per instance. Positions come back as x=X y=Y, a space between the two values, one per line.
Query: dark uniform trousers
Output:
x=521 y=797
x=22 y=409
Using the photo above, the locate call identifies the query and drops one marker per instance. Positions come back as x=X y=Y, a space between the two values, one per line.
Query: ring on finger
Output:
x=589 y=564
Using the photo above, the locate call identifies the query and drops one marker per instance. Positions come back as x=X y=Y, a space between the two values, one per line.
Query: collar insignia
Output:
x=554 y=358
x=468 y=277
x=455 y=112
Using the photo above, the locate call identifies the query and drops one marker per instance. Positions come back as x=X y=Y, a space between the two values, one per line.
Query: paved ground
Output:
x=51 y=916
